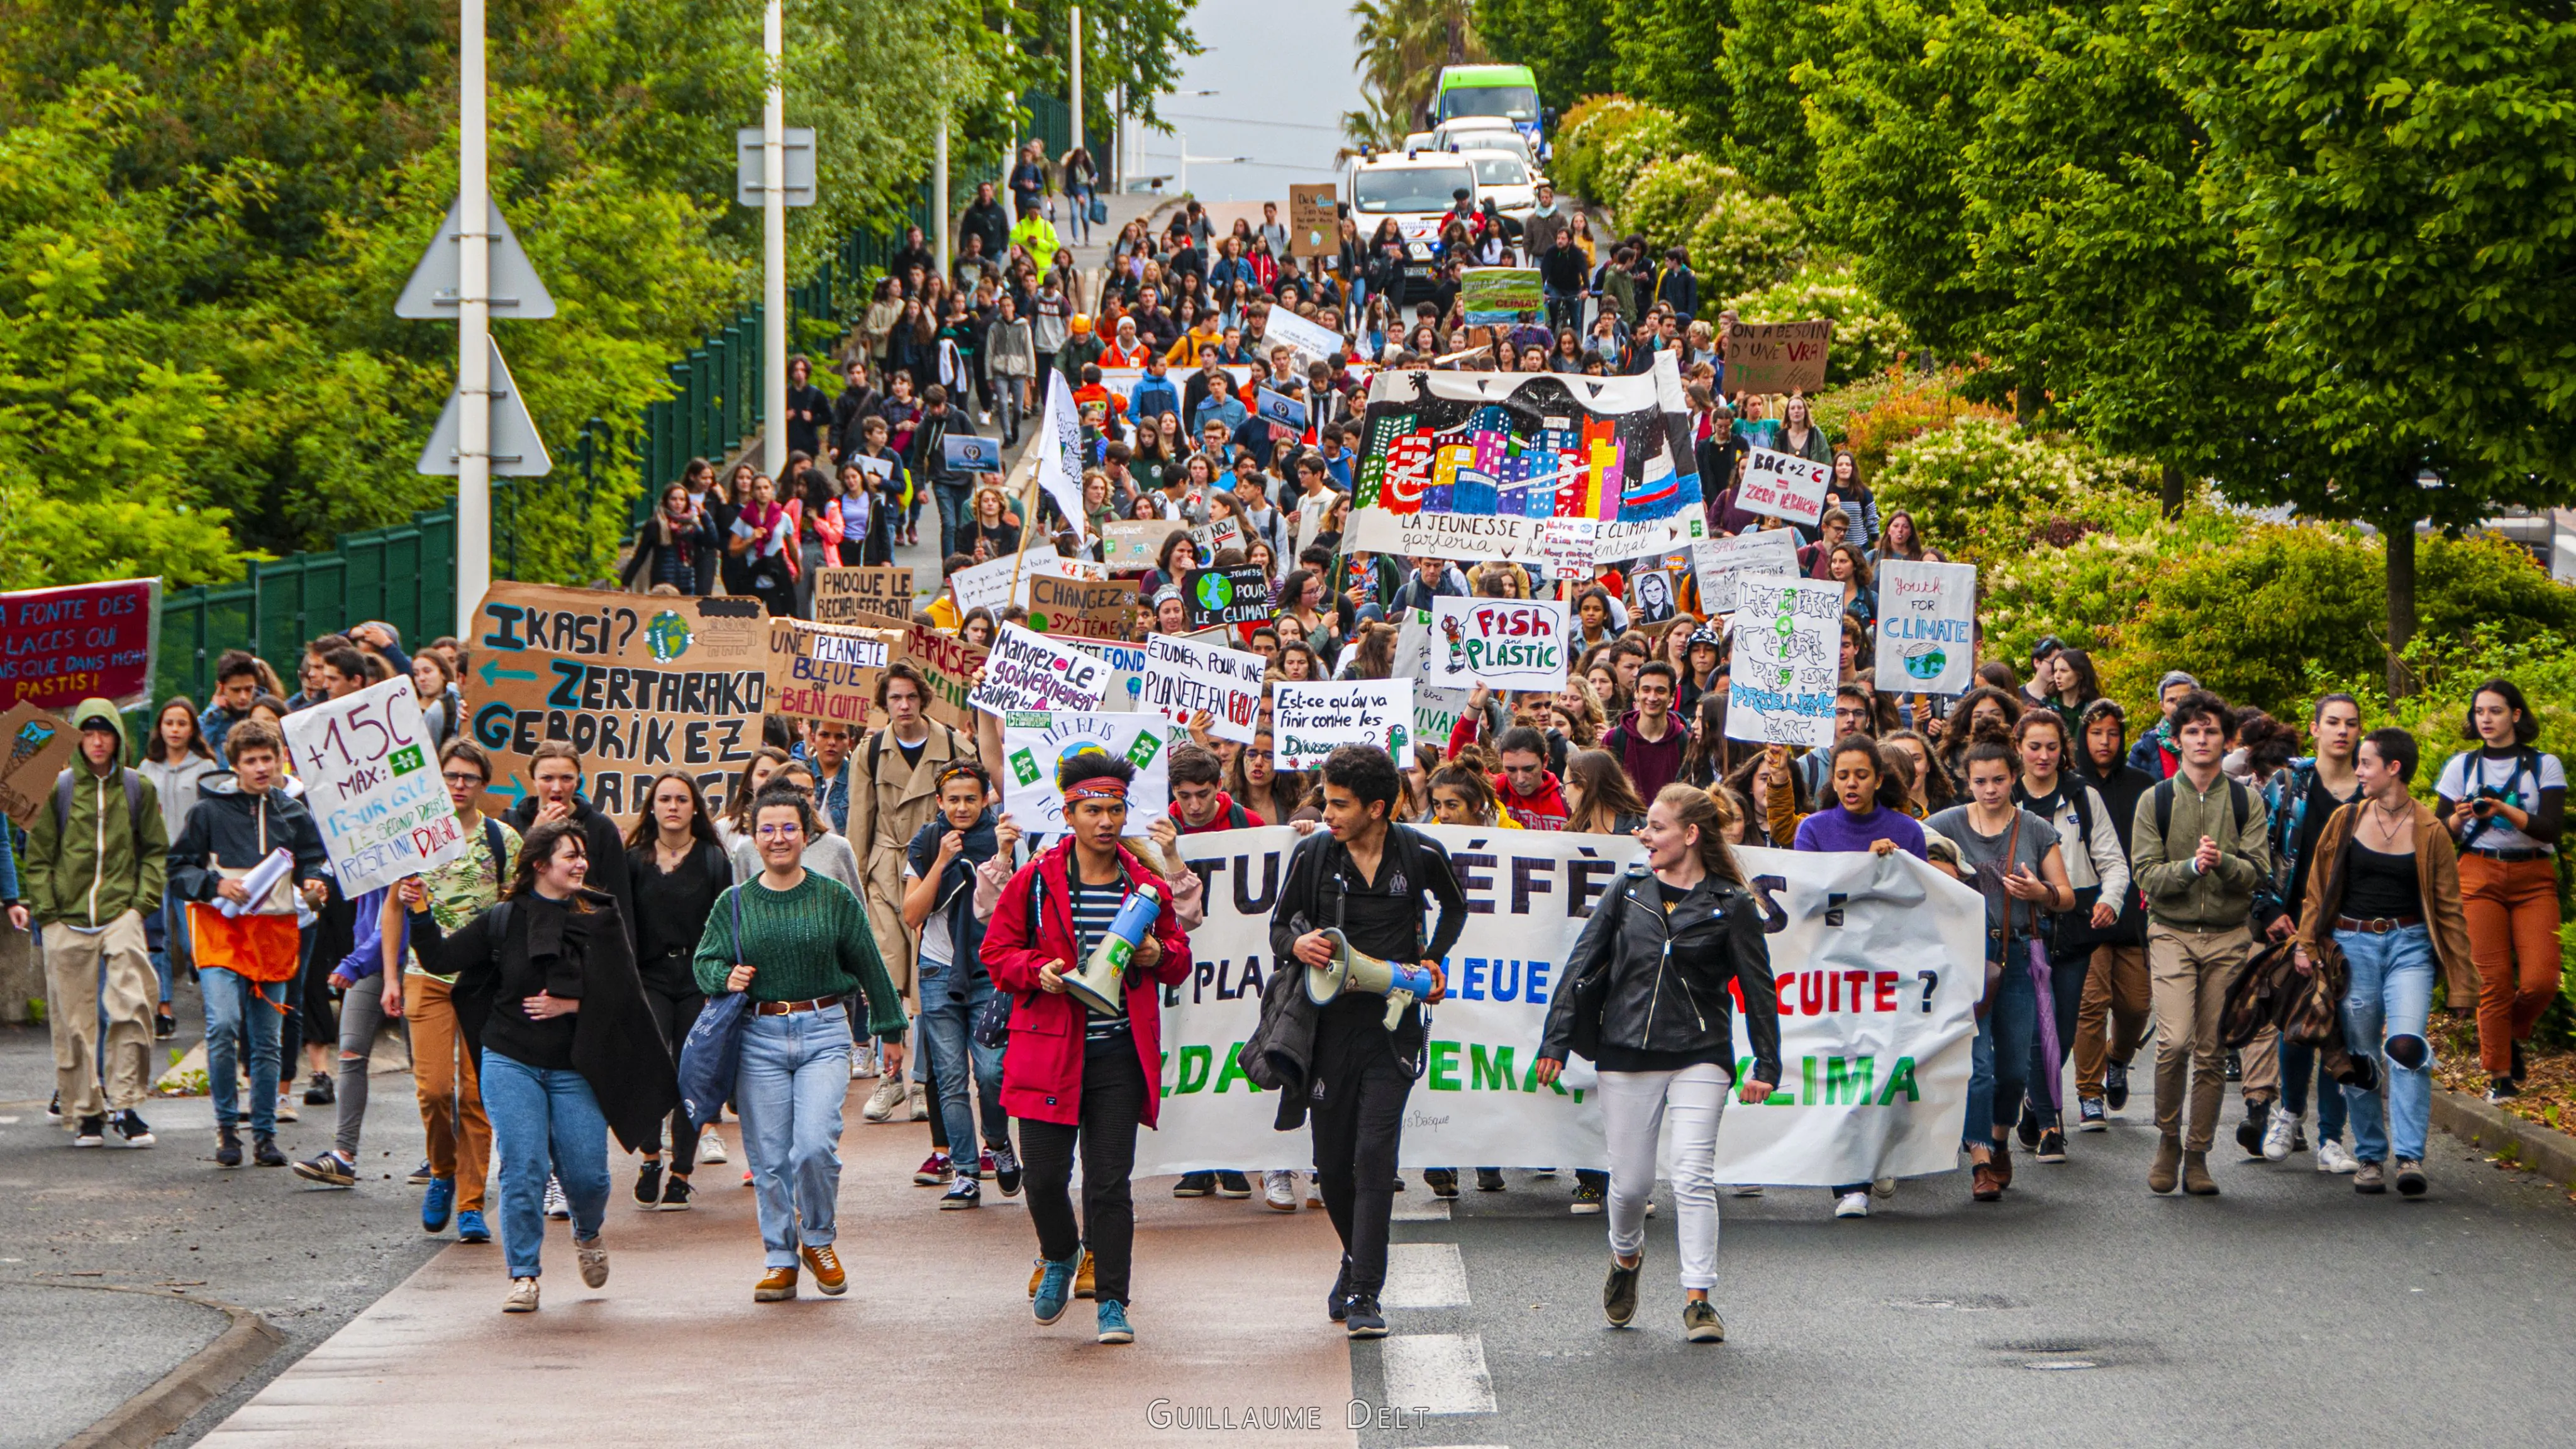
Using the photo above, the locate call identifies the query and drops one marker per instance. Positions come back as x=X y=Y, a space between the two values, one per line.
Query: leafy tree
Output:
x=1563 y=42
x=1402 y=46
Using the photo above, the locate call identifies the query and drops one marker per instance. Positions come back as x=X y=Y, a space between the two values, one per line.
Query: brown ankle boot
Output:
x=2168 y=1165
x=2003 y=1164
x=2195 y=1175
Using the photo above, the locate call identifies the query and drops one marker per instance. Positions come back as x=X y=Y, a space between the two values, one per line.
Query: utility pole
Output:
x=1076 y=30
x=473 y=326
x=773 y=217
x=939 y=192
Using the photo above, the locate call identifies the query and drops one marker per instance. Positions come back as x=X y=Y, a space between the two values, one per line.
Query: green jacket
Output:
x=2222 y=897
x=102 y=858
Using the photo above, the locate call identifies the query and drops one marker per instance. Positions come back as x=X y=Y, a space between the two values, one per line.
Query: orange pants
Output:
x=2512 y=906
x=451 y=1102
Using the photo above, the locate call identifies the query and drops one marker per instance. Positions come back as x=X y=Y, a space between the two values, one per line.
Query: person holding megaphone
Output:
x=1082 y=937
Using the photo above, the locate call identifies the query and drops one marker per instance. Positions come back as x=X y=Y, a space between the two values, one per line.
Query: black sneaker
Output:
x=2115 y=1085
x=264 y=1153
x=2235 y=1066
x=1232 y=1184
x=1337 y=1303
x=1443 y=1181
x=1399 y=1183
x=328 y=1170
x=1619 y=1292
x=2029 y=1129
x=318 y=1091
x=675 y=1195
x=648 y=1184
x=421 y=1176
x=2052 y=1146
x=1489 y=1179
x=2089 y=1116
x=2520 y=1071
x=1587 y=1200
x=1194 y=1184
x=130 y=1125
x=1363 y=1319
x=2249 y=1133
x=1006 y=1169
x=54 y=1108
x=164 y=1025
x=2501 y=1089
x=965 y=1192
x=227 y=1147
x=92 y=1132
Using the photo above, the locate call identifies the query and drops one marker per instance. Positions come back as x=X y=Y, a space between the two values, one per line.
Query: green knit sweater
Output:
x=808 y=942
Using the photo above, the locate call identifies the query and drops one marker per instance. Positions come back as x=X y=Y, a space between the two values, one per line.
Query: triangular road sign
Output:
x=517 y=451
x=431 y=292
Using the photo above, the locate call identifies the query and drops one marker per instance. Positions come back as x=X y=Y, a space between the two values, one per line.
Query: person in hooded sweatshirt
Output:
x=555 y=772
x=1651 y=739
x=1529 y=790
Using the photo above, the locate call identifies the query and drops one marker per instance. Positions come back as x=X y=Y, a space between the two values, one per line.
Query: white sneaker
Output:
x=594 y=1262
x=286 y=1107
x=884 y=1100
x=917 y=1094
x=558 y=1206
x=1314 y=1191
x=2278 y=1133
x=2331 y=1157
x=863 y=1062
x=711 y=1146
x=1852 y=1205
x=1279 y=1190
x=523 y=1296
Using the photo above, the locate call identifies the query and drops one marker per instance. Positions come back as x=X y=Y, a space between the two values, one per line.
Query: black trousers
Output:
x=1113 y=1102
x=674 y=1012
x=1357 y=1128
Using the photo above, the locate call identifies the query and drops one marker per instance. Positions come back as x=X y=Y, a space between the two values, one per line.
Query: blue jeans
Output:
x=2298 y=1064
x=2001 y=1064
x=956 y=510
x=544 y=1119
x=235 y=1004
x=948 y=1010
x=795 y=1071
x=2384 y=1011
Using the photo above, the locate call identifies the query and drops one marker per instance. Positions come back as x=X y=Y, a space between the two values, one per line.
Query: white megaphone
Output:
x=1097 y=985
x=1401 y=984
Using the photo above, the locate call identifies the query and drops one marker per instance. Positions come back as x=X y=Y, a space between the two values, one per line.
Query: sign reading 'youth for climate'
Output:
x=1927 y=625
x=1503 y=643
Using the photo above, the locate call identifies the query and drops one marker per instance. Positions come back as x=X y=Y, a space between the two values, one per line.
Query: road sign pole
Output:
x=939 y=192
x=1077 y=79
x=473 y=327
x=773 y=154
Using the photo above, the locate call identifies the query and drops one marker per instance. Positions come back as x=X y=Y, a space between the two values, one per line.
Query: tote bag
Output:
x=713 y=1050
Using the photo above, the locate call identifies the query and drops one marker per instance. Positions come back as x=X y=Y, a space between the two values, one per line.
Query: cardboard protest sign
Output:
x=1279 y=408
x=40 y=748
x=1500 y=294
x=1219 y=597
x=370 y=773
x=634 y=684
x=1035 y=743
x=987 y=585
x=967 y=453
x=1028 y=671
x=1184 y=676
x=1215 y=535
x=1788 y=653
x=841 y=594
x=83 y=641
x=881 y=469
x=1721 y=562
x=1784 y=485
x=1565 y=546
x=1133 y=546
x=829 y=672
x=1077 y=609
x=1310 y=721
x=1314 y=221
x=1651 y=597
x=949 y=664
x=1469 y=465
x=1927 y=621
x=1777 y=356
x=1126 y=663
x=1501 y=643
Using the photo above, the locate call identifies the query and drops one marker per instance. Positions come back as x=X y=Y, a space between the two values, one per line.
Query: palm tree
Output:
x=1403 y=45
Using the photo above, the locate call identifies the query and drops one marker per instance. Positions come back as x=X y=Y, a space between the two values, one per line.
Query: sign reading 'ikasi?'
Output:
x=1784 y=485
x=635 y=684
x=1501 y=643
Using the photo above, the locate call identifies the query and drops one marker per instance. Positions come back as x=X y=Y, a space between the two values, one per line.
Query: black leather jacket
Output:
x=1668 y=974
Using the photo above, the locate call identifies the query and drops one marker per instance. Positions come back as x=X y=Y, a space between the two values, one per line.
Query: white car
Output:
x=1482 y=133
x=1414 y=191
x=1504 y=178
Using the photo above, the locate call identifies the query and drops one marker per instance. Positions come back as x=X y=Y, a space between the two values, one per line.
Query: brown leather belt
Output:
x=2376 y=925
x=786 y=1008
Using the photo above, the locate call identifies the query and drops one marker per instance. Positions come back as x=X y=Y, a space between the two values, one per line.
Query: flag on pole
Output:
x=1059 y=448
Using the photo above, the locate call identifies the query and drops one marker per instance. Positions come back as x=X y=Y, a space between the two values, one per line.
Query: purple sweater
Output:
x=1835 y=828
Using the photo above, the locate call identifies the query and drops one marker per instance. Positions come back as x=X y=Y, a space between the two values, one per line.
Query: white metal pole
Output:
x=473 y=327
x=773 y=206
x=939 y=192
x=1077 y=79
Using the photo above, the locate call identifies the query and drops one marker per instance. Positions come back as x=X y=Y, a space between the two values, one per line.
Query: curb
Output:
x=2538 y=1149
x=207 y=1375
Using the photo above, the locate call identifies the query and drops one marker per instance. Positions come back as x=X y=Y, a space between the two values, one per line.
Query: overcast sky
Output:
x=1282 y=74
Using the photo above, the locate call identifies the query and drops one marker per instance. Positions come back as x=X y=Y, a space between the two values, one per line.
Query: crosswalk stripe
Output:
x=1424 y=1275
x=1438 y=1373
x=1428 y=1210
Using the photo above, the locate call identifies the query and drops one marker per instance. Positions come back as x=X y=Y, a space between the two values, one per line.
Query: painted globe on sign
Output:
x=667 y=636
x=1926 y=661
x=1215 y=591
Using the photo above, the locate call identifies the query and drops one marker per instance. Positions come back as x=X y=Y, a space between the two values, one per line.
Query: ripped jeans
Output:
x=2384 y=1011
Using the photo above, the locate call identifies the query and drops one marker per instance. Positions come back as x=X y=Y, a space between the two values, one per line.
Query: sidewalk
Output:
x=933 y=1344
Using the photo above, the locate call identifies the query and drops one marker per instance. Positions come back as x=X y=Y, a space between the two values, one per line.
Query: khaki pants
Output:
x=74 y=964
x=2190 y=971
x=2114 y=1004
x=451 y=1100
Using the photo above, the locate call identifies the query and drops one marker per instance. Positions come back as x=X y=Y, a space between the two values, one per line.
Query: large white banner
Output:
x=1927 y=622
x=370 y=773
x=1878 y=959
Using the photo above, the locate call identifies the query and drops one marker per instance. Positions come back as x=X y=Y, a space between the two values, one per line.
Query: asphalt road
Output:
x=2082 y=1310
x=307 y=1259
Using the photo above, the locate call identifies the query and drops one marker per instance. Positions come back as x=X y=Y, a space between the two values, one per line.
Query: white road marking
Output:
x=1438 y=1373
x=1424 y=1275
x=1428 y=1210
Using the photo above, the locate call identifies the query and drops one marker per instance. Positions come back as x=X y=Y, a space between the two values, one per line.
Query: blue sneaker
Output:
x=470 y=1229
x=436 y=1203
x=1113 y=1322
x=1055 y=1288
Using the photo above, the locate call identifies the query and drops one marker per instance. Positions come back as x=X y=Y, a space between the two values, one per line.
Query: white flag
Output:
x=1059 y=444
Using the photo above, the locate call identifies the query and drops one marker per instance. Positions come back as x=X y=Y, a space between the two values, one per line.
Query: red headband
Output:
x=1098 y=787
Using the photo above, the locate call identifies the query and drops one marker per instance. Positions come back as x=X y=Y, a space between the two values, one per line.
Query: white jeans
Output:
x=1632 y=1107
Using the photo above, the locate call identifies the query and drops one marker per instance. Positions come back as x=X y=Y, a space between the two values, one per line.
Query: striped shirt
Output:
x=1094 y=908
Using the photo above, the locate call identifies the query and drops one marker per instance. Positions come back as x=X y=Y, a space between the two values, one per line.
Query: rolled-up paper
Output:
x=262 y=879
